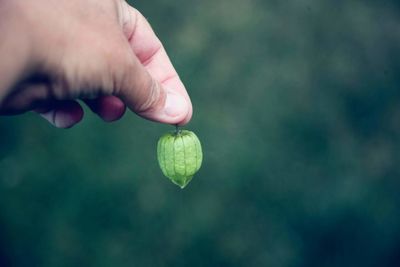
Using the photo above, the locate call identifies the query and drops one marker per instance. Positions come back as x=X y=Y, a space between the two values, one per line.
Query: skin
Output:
x=54 y=52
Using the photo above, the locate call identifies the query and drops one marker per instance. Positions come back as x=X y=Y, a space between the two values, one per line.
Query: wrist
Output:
x=15 y=47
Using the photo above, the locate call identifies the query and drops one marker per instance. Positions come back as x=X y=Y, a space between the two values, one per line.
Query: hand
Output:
x=102 y=52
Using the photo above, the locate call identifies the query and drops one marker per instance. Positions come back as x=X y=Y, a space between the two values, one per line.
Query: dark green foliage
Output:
x=297 y=106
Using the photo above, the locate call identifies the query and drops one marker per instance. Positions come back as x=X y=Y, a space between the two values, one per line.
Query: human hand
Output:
x=102 y=52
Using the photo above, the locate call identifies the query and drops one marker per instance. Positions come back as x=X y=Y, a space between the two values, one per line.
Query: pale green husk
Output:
x=179 y=155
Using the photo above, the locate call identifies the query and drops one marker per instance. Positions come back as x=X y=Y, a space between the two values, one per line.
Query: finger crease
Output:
x=170 y=77
x=154 y=95
x=135 y=23
x=148 y=60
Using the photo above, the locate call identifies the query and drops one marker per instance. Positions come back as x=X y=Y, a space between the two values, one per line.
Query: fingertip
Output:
x=65 y=114
x=109 y=108
x=188 y=117
x=175 y=109
x=182 y=108
x=176 y=105
x=176 y=86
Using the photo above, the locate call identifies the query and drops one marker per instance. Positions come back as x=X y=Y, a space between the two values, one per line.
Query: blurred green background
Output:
x=297 y=105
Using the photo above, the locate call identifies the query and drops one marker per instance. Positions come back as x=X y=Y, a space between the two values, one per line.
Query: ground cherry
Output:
x=179 y=155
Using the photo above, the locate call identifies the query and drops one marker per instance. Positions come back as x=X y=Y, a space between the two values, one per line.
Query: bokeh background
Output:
x=297 y=105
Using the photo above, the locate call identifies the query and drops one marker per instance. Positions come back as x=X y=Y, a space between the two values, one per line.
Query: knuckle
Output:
x=153 y=97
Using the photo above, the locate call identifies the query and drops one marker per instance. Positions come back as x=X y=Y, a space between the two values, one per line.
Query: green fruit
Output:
x=179 y=155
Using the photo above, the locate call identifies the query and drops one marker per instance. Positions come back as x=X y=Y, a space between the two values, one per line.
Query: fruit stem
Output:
x=177 y=131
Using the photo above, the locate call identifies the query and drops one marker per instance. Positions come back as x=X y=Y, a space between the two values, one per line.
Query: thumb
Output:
x=156 y=91
x=147 y=97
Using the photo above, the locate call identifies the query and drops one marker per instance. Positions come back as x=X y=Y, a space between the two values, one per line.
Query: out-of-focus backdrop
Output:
x=297 y=105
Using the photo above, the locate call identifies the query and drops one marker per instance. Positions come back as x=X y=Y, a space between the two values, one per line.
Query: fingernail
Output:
x=62 y=119
x=58 y=119
x=49 y=116
x=175 y=105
